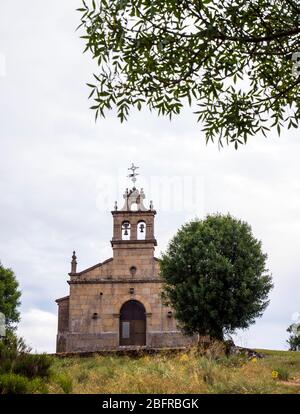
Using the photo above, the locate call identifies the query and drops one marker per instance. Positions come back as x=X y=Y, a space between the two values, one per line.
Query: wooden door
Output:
x=133 y=323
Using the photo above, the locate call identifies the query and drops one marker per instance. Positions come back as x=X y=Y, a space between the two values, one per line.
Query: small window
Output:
x=125 y=230
x=125 y=330
x=132 y=270
x=141 y=230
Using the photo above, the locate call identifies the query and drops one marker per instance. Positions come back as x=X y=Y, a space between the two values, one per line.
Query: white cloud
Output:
x=38 y=328
x=264 y=335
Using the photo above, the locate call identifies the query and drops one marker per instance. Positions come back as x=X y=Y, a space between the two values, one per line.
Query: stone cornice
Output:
x=112 y=281
x=134 y=212
x=139 y=243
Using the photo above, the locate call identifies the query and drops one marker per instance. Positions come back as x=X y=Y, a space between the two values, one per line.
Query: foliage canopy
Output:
x=9 y=296
x=294 y=339
x=236 y=62
x=215 y=277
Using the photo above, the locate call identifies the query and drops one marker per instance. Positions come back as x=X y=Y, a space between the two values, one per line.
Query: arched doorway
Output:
x=133 y=323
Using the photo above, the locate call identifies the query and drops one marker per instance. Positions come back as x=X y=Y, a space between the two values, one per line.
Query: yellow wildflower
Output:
x=254 y=360
x=184 y=358
x=274 y=374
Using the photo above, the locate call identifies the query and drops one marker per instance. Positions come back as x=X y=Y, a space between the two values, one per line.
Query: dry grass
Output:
x=181 y=373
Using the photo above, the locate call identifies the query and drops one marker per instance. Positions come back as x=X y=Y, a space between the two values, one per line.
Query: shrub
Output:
x=232 y=361
x=6 y=357
x=65 y=382
x=5 y=363
x=13 y=384
x=11 y=348
x=283 y=374
x=207 y=369
x=37 y=385
x=33 y=365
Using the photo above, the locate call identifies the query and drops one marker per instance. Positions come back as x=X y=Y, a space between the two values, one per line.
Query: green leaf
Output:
x=166 y=52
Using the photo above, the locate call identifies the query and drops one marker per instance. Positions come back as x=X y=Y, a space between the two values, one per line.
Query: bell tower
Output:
x=118 y=303
x=133 y=240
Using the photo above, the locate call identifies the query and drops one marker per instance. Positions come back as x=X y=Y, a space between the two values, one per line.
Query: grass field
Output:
x=278 y=372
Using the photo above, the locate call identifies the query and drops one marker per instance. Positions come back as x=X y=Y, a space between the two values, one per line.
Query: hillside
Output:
x=277 y=372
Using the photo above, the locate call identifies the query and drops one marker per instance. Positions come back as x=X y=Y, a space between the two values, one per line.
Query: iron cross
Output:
x=133 y=174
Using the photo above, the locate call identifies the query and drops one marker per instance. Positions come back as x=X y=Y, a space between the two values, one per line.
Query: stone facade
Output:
x=101 y=310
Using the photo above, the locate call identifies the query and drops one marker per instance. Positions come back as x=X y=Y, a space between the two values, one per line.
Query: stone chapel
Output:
x=117 y=303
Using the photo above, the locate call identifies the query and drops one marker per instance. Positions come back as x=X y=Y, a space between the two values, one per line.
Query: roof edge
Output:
x=91 y=268
x=62 y=299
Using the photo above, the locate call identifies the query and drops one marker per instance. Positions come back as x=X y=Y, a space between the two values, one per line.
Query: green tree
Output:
x=9 y=296
x=235 y=61
x=215 y=277
x=294 y=339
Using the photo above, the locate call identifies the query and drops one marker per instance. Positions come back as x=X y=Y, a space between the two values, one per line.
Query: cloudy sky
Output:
x=60 y=174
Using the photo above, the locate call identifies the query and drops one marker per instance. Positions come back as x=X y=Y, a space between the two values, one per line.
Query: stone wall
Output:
x=109 y=341
x=63 y=323
x=95 y=307
x=139 y=256
x=94 y=311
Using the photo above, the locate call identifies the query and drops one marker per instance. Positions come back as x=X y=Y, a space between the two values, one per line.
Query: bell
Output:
x=126 y=232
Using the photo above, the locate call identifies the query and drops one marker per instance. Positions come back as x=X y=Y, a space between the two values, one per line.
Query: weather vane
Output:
x=133 y=174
